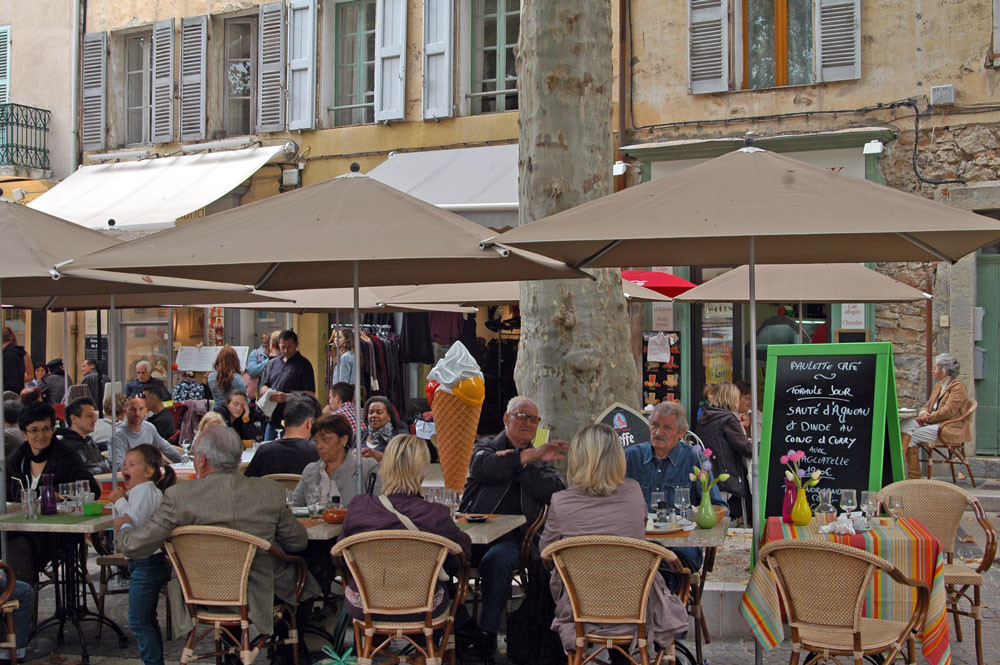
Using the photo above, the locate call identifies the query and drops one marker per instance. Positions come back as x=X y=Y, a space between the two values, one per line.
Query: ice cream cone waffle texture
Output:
x=456 y=423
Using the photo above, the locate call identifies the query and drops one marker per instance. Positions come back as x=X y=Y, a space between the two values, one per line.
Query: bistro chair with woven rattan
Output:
x=823 y=587
x=941 y=507
x=938 y=452
x=213 y=567
x=608 y=580
x=288 y=480
x=7 y=608
x=396 y=574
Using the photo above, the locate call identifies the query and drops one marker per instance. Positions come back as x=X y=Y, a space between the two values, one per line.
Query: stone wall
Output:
x=968 y=151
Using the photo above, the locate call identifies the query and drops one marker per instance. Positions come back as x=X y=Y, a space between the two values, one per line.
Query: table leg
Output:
x=71 y=590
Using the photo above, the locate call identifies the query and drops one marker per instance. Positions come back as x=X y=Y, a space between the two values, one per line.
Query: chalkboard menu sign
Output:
x=837 y=403
x=630 y=425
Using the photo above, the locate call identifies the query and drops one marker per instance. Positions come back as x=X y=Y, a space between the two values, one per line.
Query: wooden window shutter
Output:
x=163 y=81
x=94 y=76
x=4 y=64
x=438 y=66
x=271 y=68
x=838 y=39
x=390 y=59
x=302 y=64
x=194 y=50
x=708 y=46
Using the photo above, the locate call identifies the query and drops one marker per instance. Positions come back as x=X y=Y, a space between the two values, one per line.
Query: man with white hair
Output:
x=222 y=496
x=949 y=399
x=144 y=380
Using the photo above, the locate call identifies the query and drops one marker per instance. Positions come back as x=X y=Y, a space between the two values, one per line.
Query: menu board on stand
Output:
x=661 y=376
x=837 y=403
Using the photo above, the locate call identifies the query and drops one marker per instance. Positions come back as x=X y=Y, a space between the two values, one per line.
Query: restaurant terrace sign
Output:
x=837 y=403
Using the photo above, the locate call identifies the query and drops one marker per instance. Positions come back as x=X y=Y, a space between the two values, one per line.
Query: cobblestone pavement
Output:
x=105 y=651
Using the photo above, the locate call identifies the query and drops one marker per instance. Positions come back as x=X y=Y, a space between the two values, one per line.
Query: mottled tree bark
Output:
x=574 y=357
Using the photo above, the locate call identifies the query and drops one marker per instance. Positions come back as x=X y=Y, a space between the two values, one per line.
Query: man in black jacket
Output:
x=82 y=416
x=94 y=380
x=507 y=475
x=53 y=384
x=13 y=362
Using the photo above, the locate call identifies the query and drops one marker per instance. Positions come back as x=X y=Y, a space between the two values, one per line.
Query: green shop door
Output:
x=988 y=388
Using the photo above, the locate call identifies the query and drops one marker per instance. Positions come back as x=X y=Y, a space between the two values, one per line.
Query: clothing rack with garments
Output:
x=498 y=375
x=377 y=361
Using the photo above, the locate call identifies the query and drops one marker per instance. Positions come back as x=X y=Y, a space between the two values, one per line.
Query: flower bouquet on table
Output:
x=706 y=517
x=796 y=480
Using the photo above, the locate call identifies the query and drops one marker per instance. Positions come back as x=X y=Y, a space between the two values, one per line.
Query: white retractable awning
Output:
x=150 y=193
x=479 y=184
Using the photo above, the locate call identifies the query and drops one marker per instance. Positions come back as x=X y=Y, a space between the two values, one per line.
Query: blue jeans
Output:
x=147 y=578
x=496 y=569
x=270 y=432
x=25 y=596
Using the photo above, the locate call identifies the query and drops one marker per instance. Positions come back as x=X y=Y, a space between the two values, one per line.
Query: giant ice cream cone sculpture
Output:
x=456 y=403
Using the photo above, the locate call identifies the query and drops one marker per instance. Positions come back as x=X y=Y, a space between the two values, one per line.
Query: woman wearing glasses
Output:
x=40 y=453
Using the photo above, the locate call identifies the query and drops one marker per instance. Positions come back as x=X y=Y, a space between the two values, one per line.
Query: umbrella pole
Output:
x=801 y=337
x=357 y=380
x=755 y=461
x=3 y=461
x=114 y=406
x=100 y=368
x=65 y=355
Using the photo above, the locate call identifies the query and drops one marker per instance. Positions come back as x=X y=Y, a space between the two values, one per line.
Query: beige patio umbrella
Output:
x=804 y=282
x=754 y=206
x=495 y=293
x=347 y=231
x=370 y=299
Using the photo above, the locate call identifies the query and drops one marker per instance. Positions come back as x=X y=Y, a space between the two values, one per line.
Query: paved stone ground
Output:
x=106 y=651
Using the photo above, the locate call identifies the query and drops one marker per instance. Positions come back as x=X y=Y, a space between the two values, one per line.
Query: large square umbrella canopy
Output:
x=797 y=213
x=313 y=237
x=494 y=293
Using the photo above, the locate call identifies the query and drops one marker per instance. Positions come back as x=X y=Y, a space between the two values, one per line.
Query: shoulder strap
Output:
x=407 y=522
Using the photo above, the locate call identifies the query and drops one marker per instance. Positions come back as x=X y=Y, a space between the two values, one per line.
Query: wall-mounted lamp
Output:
x=620 y=167
x=873 y=148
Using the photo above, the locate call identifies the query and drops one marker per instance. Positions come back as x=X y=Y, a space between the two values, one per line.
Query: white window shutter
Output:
x=708 y=46
x=302 y=64
x=390 y=59
x=94 y=75
x=438 y=67
x=996 y=33
x=194 y=47
x=4 y=64
x=271 y=68
x=838 y=39
x=163 y=81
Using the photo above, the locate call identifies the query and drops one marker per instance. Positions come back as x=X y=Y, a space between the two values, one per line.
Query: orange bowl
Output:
x=334 y=515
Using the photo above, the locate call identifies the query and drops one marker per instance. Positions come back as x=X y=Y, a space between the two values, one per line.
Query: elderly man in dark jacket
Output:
x=507 y=475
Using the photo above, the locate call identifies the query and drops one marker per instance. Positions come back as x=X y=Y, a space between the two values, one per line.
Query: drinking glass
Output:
x=29 y=504
x=66 y=497
x=848 y=500
x=869 y=503
x=312 y=500
x=825 y=502
x=659 y=501
x=682 y=500
x=894 y=507
x=289 y=501
x=80 y=490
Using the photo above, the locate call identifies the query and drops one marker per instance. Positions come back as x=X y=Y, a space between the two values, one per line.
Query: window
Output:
x=239 y=76
x=495 y=27
x=354 y=98
x=759 y=44
x=138 y=65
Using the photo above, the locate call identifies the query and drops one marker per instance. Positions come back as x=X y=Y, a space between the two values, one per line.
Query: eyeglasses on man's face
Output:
x=526 y=418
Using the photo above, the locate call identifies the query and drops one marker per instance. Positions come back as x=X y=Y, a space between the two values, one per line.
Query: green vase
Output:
x=705 y=517
x=801 y=512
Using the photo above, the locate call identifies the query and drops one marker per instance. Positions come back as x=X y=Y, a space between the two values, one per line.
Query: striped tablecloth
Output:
x=908 y=545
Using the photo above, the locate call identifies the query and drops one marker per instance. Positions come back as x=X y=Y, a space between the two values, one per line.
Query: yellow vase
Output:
x=801 y=513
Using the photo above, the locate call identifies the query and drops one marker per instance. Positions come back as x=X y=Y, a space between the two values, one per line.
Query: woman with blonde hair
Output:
x=401 y=506
x=225 y=376
x=719 y=428
x=601 y=501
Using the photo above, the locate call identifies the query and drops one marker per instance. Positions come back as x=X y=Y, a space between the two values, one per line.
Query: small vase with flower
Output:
x=705 y=517
x=801 y=513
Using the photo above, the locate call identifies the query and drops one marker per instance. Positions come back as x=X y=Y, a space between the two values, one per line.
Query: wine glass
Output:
x=312 y=500
x=65 y=497
x=848 y=500
x=289 y=500
x=869 y=501
x=682 y=499
x=894 y=508
x=80 y=490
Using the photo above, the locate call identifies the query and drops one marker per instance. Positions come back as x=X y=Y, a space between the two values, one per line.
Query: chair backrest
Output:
x=76 y=392
x=607 y=578
x=938 y=505
x=822 y=584
x=288 y=480
x=213 y=563
x=524 y=556
x=396 y=571
x=177 y=413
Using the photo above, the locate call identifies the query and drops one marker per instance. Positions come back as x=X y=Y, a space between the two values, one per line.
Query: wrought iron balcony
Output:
x=24 y=136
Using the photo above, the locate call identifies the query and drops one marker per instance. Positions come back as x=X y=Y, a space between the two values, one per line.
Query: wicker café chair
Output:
x=608 y=580
x=938 y=452
x=940 y=506
x=7 y=607
x=213 y=567
x=287 y=480
x=824 y=610
x=396 y=573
